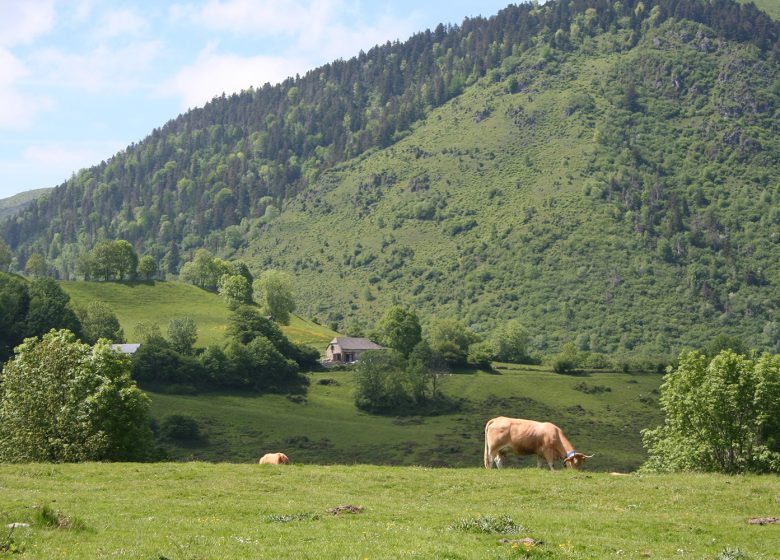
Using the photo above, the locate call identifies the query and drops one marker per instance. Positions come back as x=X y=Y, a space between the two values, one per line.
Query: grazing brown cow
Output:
x=274 y=459
x=527 y=437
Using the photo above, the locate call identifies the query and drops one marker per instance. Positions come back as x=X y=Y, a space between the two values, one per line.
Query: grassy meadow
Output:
x=159 y=302
x=210 y=511
x=325 y=427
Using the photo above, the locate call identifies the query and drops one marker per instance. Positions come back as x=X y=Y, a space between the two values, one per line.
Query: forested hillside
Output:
x=605 y=171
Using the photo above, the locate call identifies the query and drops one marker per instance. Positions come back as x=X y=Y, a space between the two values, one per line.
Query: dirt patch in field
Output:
x=763 y=520
x=338 y=510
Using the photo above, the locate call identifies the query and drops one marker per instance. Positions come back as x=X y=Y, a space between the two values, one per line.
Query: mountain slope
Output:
x=15 y=204
x=623 y=229
x=605 y=171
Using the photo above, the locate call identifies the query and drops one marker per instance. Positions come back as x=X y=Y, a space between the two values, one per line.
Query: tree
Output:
x=98 y=321
x=400 y=329
x=14 y=304
x=721 y=415
x=568 y=360
x=511 y=342
x=146 y=331
x=62 y=401
x=183 y=332
x=147 y=267
x=273 y=291
x=103 y=260
x=36 y=266
x=726 y=342
x=379 y=379
x=49 y=309
x=425 y=370
x=451 y=340
x=125 y=259
x=235 y=290
x=6 y=256
x=205 y=270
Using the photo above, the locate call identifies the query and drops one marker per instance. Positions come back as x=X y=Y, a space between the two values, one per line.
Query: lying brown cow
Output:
x=527 y=437
x=274 y=459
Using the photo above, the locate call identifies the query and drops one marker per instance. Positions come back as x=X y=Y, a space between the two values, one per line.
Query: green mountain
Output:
x=18 y=202
x=605 y=171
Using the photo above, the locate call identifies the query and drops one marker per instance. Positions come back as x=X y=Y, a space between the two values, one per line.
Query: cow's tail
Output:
x=488 y=462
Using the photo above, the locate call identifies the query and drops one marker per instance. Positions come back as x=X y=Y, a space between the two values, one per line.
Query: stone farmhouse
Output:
x=345 y=350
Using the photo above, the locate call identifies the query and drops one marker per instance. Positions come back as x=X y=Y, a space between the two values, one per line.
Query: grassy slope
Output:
x=327 y=428
x=159 y=302
x=539 y=249
x=771 y=7
x=204 y=511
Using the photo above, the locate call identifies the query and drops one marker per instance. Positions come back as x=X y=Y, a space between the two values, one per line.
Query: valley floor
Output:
x=211 y=511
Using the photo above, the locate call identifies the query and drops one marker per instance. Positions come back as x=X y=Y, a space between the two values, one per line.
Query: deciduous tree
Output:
x=721 y=415
x=274 y=292
x=400 y=329
x=62 y=401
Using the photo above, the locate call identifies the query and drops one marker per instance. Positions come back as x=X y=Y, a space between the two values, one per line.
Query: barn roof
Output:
x=352 y=343
x=125 y=348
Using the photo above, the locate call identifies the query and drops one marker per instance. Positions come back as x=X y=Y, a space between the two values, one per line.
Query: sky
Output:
x=82 y=79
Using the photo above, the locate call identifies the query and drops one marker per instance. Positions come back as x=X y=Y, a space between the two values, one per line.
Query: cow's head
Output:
x=576 y=460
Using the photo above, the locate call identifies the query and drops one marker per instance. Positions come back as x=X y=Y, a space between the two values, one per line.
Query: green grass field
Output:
x=206 y=511
x=325 y=427
x=159 y=302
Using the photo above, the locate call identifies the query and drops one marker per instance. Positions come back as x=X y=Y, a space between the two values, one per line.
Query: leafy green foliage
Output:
x=451 y=340
x=274 y=293
x=379 y=380
x=182 y=333
x=147 y=267
x=720 y=416
x=399 y=329
x=511 y=341
x=180 y=427
x=98 y=321
x=49 y=308
x=235 y=289
x=62 y=401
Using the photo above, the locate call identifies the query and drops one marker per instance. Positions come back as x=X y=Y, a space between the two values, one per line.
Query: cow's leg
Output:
x=499 y=459
x=539 y=462
x=550 y=460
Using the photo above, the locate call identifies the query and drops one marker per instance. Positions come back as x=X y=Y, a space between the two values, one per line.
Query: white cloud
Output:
x=102 y=69
x=249 y=16
x=319 y=31
x=17 y=111
x=213 y=73
x=23 y=21
x=47 y=164
x=120 y=22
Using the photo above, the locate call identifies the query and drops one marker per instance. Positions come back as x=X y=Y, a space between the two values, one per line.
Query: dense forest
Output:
x=666 y=113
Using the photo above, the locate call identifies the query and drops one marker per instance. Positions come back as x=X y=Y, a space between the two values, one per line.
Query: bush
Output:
x=63 y=401
x=180 y=427
x=721 y=415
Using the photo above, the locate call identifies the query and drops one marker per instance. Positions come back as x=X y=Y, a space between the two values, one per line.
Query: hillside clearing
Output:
x=198 y=510
x=159 y=302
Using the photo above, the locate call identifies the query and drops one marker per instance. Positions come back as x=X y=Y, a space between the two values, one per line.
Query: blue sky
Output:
x=82 y=79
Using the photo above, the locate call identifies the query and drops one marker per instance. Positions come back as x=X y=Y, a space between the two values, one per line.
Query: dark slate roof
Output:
x=349 y=343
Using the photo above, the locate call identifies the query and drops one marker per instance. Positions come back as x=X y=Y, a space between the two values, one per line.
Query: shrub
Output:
x=180 y=427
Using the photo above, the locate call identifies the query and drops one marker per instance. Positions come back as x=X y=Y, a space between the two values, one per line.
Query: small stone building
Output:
x=345 y=350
